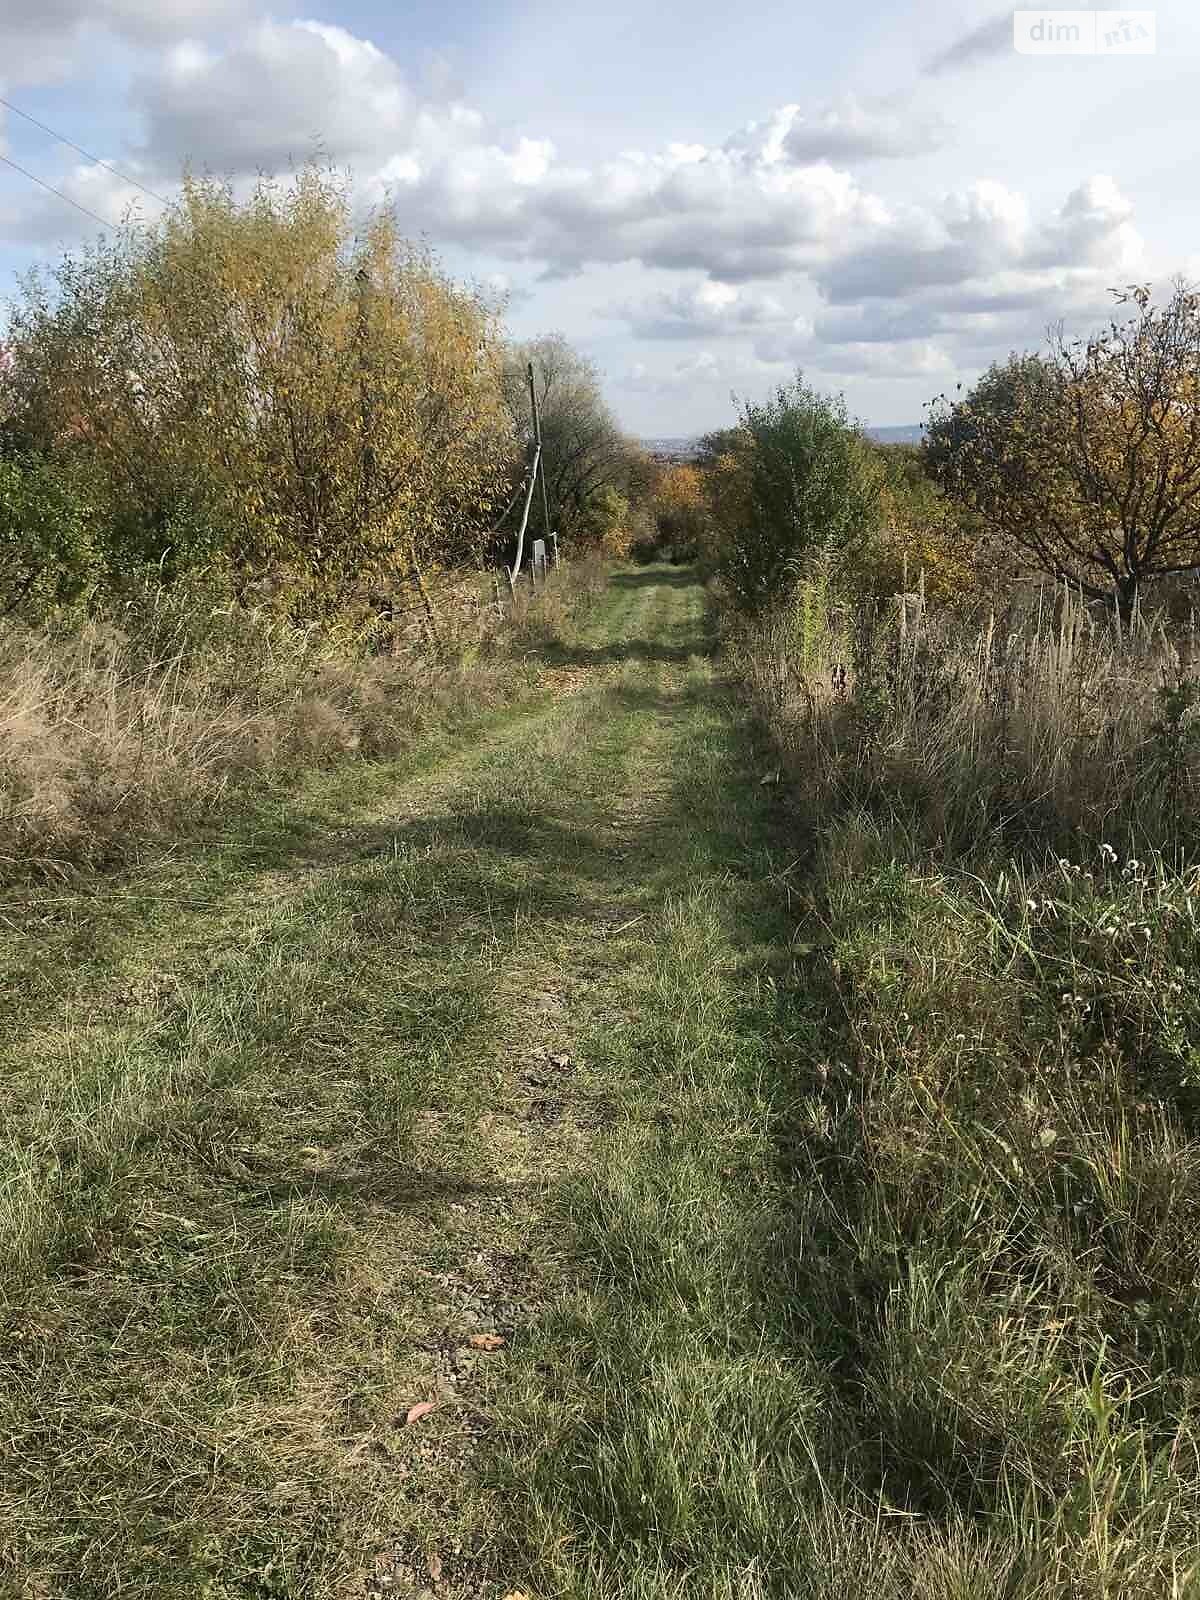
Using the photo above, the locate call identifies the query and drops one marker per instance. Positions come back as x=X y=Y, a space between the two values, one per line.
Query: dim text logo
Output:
x=1085 y=33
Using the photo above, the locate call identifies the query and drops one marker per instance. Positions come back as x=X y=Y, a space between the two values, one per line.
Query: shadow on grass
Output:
x=627 y=650
x=384 y=1185
x=257 y=836
x=673 y=644
x=654 y=577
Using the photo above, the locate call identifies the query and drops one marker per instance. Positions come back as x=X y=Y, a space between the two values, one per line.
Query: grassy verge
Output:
x=121 y=734
x=661 y=1442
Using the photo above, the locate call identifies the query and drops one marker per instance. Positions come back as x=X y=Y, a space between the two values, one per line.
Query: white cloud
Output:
x=926 y=292
x=747 y=233
x=983 y=249
x=709 y=309
x=985 y=42
x=704 y=369
x=43 y=41
x=35 y=217
x=1094 y=228
x=983 y=228
x=773 y=360
x=965 y=284
x=150 y=19
x=757 y=207
x=823 y=347
x=848 y=129
x=278 y=91
x=719 y=213
x=277 y=94
x=909 y=359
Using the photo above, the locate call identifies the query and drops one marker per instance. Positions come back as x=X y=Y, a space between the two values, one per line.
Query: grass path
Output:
x=484 y=1044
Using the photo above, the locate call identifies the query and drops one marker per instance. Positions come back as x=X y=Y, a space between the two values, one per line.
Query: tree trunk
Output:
x=1126 y=598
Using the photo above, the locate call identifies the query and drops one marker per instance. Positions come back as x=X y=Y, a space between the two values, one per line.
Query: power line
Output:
x=62 y=139
x=8 y=161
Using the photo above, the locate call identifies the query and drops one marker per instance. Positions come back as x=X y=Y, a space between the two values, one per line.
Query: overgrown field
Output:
x=997 y=1150
x=116 y=734
x=662 y=1124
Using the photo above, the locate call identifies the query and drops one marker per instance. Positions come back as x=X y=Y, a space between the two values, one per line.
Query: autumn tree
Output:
x=590 y=464
x=724 y=463
x=997 y=398
x=261 y=386
x=919 y=537
x=680 y=510
x=1086 y=462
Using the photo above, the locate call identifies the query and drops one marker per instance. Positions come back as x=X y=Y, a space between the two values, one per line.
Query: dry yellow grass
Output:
x=1043 y=723
x=112 y=734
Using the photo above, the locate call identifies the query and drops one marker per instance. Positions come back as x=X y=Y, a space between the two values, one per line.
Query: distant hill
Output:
x=672 y=449
x=904 y=433
x=685 y=449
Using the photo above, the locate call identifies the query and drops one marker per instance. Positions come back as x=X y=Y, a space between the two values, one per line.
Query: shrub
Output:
x=48 y=554
x=805 y=486
x=922 y=540
x=602 y=521
x=261 y=385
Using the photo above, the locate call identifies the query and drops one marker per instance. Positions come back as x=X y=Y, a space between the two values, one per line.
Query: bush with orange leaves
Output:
x=680 y=511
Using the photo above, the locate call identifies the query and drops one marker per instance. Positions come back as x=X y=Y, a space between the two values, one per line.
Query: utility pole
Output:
x=533 y=472
x=537 y=433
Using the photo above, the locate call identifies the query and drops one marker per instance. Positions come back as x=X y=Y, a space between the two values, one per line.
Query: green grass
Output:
x=280 y=1118
x=833 y=1253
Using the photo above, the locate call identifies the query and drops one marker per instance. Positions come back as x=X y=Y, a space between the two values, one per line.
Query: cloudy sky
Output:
x=703 y=197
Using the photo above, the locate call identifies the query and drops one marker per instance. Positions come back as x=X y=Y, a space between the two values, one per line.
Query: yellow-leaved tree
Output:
x=263 y=388
x=920 y=539
x=680 y=510
x=1084 y=463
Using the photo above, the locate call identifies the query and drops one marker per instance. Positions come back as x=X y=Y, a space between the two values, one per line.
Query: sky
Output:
x=703 y=198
